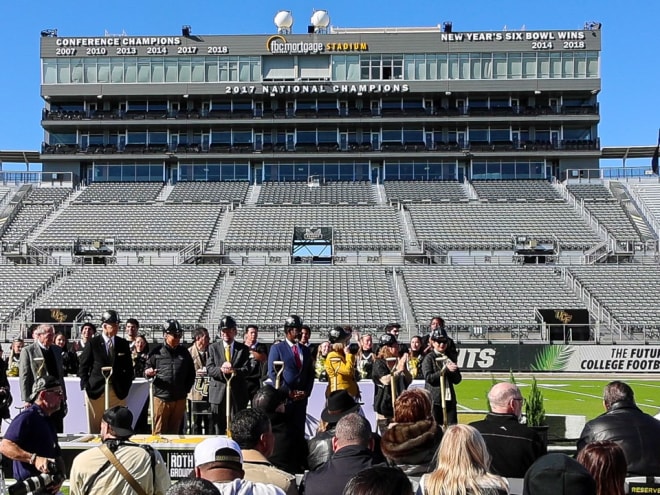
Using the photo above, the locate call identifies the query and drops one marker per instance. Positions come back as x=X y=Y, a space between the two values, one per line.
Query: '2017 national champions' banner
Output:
x=570 y=358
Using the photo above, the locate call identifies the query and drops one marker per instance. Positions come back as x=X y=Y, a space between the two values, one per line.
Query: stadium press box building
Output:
x=338 y=104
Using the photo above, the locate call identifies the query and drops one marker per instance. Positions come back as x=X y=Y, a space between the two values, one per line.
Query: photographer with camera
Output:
x=340 y=363
x=31 y=440
x=108 y=469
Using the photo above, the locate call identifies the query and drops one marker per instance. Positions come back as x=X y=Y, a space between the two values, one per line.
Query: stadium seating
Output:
x=328 y=193
x=20 y=283
x=531 y=190
x=479 y=225
x=421 y=191
x=213 y=192
x=132 y=226
x=148 y=293
x=354 y=227
x=124 y=192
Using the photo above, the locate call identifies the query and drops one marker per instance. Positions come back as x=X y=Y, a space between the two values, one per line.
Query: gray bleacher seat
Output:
x=132 y=226
x=589 y=191
x=214 y=192
x=148 y=293
x=323 y=295
x=123 y=192
x=515 y=189
x=330 y=193
x=495 y=295
x=354 y=227
x=480 y=225
x=20 y=282
x=418 y=191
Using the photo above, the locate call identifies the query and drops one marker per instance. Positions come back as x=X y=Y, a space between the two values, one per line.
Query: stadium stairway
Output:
x=36 y=232
x=222 y=290
x=220 y=232
x=381 y=196
x=165 y=192
x=620 y=192
x=410 y=242
x=253 y=194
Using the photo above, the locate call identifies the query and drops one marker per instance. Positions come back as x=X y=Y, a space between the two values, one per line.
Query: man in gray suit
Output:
x=227 y=359
x=39 y=359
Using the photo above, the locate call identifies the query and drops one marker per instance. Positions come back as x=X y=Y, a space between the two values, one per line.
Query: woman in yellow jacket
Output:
x=340 y=363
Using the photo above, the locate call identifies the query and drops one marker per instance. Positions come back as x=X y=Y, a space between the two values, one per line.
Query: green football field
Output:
x=561 y=396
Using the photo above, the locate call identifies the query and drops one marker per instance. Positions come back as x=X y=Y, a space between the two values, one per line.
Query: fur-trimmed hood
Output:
x=411 y=443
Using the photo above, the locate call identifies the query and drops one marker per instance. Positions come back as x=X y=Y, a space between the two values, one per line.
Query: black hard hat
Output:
x=387 y=339
x=227 y=322
x=338 y=334
x=438 y=336
x=110 y=316
x=172 y=327
x=293 y=321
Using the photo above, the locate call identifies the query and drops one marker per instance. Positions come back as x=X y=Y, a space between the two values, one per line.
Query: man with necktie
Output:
x=227 y=360
x=297 y=377
x=109 y=351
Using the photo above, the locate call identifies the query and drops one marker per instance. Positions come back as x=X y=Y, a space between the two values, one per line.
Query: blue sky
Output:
x=629 y=100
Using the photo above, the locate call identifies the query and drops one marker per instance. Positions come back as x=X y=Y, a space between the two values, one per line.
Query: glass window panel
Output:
x=499 y=66
x=592 y=64
x=49 y=71
x=409 y=67
x=537 y=170
x=486 y=66
x=568 y=65
x=117 y=70
x=339 y=68
x=241 y=171
x=233 y=69
x=171 y=70
x=242 y=137
x=244 y=72
x=515 y=66
x=555 y=65
x=143 y=71
x=391 y=136
x=443 y=67
x=212 y=69
x=500 y=135
x=316 y=169
x=142 y=173
x=156 y=172
x=306 y=137
x=543 y=65
x=327 y=137
x=114 y=173
x=464 y=66
x=478 y=170
x=522 y=170
x=130 y=70
x=128 y=172
x=453 y=67
x=493 y=170
x=331 y=171
x=508 y=170
x=197 y=70
x=136 y=137
x=157 y=71
x=62 y=138
x=76 y=71
x=413 y=136
x=221 y=137
x=90 y=72
x=529 y=65
x=581 y=65
x=184 y=69
x=475 y=66
x=159 y=137
x=63 y=72
x=286 y=171
x=478 y=134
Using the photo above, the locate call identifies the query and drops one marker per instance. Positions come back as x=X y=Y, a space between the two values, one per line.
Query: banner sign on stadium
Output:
x=307 y=234
x=569 y=358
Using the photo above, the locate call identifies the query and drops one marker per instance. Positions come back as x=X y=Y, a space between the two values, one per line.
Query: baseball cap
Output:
x=120 y=418
x=219 y=449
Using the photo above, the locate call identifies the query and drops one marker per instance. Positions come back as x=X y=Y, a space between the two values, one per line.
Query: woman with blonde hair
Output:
x=462 y=466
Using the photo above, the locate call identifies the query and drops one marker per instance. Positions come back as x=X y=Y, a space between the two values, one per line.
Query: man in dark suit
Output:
x=105 y=352
x=38 y=360
x=297 y=378
x=227 y=359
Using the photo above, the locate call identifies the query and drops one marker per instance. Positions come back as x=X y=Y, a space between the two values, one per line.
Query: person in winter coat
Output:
x=436 y=366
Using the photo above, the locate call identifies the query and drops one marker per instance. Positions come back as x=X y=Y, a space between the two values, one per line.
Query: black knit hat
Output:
x=558 y=474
